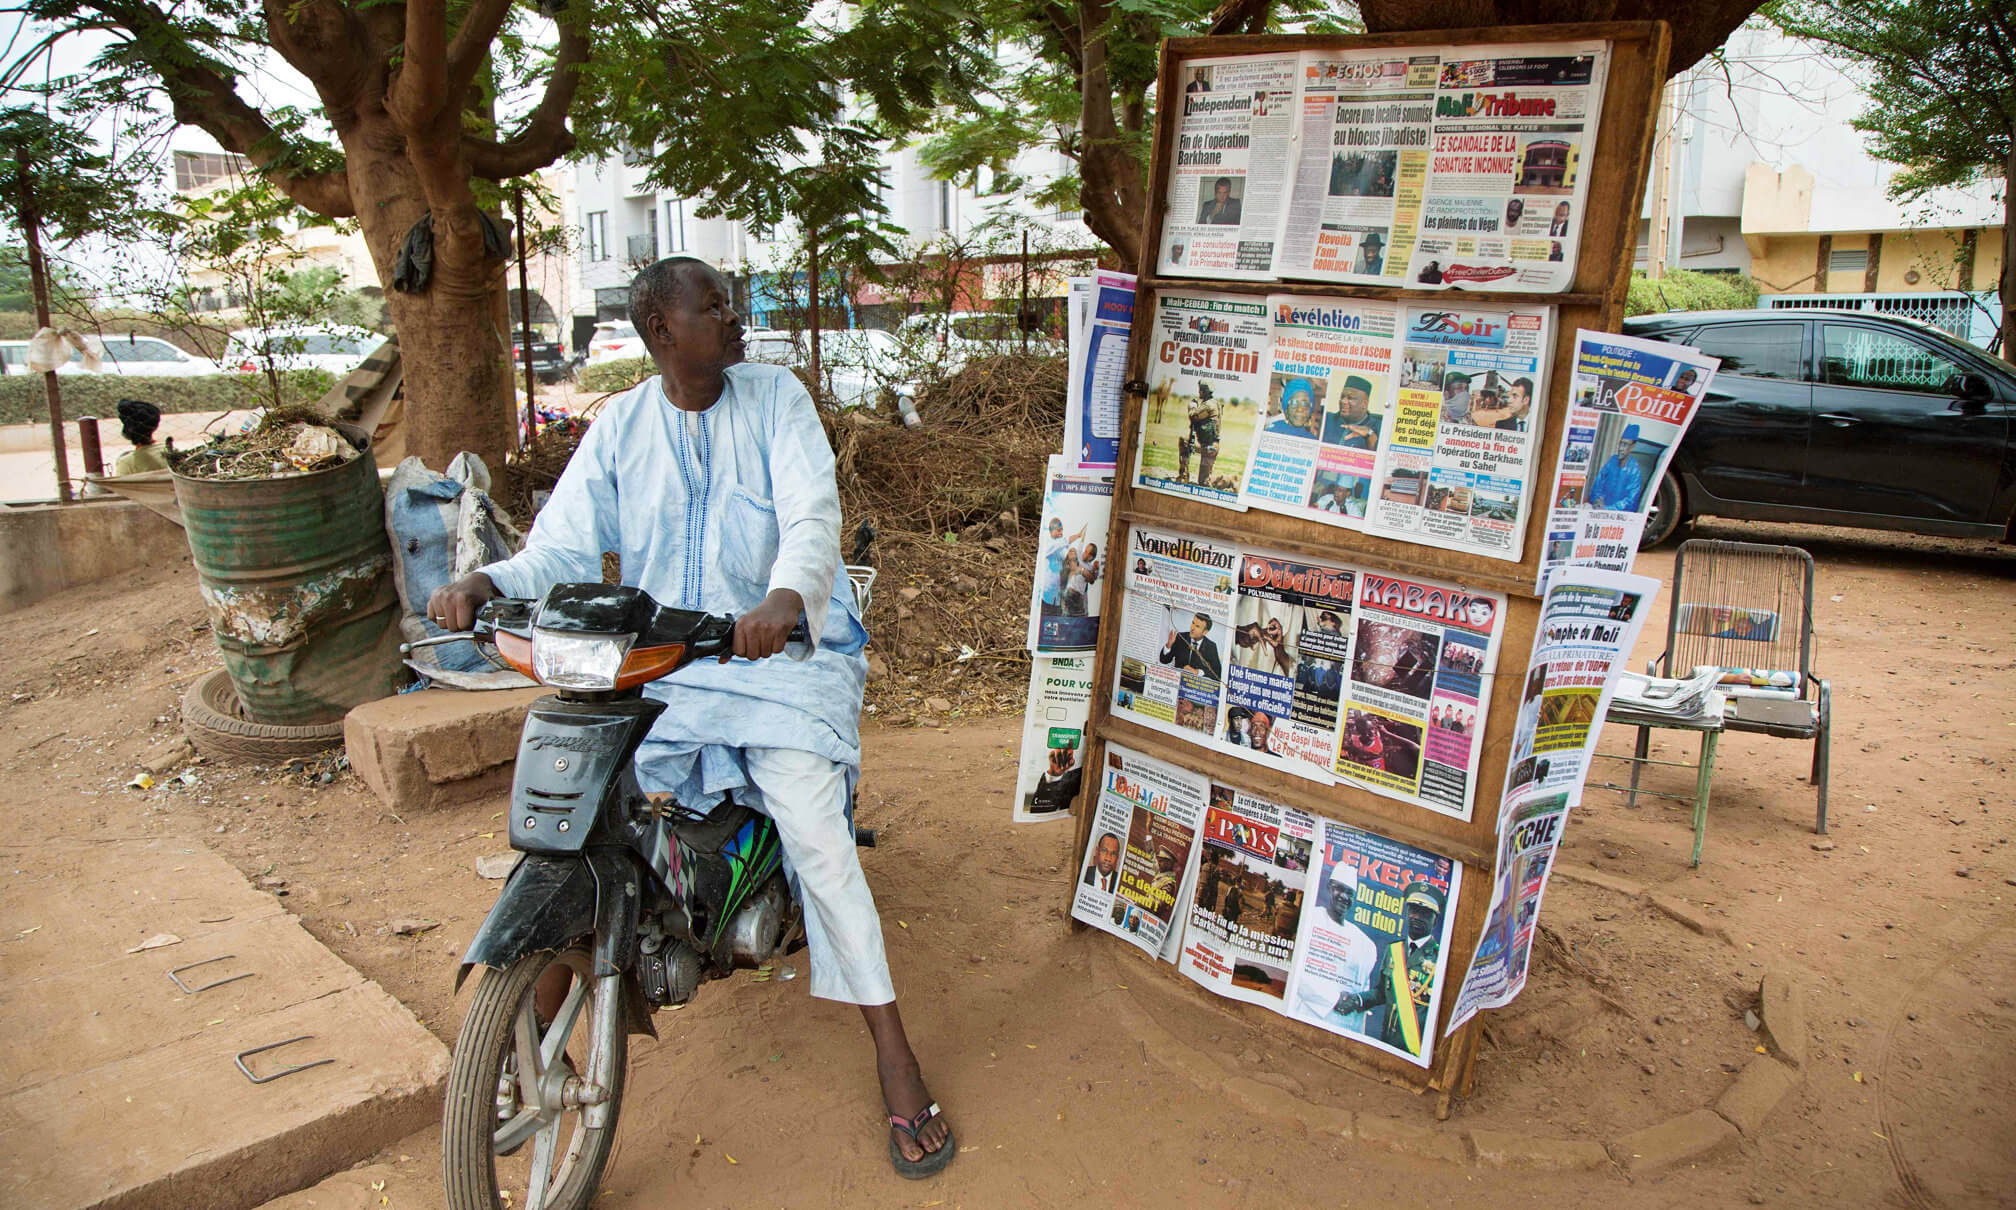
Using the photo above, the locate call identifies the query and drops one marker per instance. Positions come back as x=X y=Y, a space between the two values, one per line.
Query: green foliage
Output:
x=1685 y=291
x=23 y=401
x=15 y=285
x=607 y=377
x=1941 y=81
x=53 y=173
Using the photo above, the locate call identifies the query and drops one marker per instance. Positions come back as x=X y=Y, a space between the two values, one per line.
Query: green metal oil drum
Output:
x=296 y=573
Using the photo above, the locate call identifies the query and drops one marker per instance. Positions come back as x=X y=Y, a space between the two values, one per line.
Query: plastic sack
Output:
x=50 y=349
x=444 y=526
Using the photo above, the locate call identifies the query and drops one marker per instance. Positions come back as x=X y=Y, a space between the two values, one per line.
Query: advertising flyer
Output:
x=1252 y=876
x=1369 y=959
x=1589 y=622
x=1143 y=832
x=1208 y=368
x=1291 y=644
x=1175 y=616
x=1069 y=584
x=1053 y=738
x=1092 y=408
x=1327 y=402
x=1629 y=404
x=1422 y=653
x=1455 y=459
x=1526 y=845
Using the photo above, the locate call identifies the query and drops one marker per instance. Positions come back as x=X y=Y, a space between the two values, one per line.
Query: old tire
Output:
x=1666 y=515
x=211 y=720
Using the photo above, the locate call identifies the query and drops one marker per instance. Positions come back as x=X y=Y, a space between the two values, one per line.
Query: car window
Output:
x=1855 y=356
x=126 y=349
x=1761 y=350
x=985 y=327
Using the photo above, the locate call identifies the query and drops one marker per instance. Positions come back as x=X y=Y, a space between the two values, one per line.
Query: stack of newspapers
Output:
x=1692 y=699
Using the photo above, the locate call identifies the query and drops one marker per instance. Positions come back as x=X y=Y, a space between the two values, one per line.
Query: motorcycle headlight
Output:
x=572 y=660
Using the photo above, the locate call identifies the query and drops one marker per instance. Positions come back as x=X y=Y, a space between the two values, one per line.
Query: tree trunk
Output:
x=38 y=278
x=456 y=360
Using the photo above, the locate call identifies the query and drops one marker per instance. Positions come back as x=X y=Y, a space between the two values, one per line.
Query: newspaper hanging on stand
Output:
x=1209 y=360
x=1366 y=120
x=1098 y=368
x=1251 y=883
x=1455 y=459
x=1053 y=738
x=1589 y=623
x=1422 y=655
x=1327 y=401
x=1227 y=187
x=1144 y=828
x=1630 y=402
x=1291 y=644
x=1069 y=584
x=1175 y=617
x=1375 y=927
x=1508 y=179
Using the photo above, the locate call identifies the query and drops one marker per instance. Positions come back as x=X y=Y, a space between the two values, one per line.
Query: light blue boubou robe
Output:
x=714 y=510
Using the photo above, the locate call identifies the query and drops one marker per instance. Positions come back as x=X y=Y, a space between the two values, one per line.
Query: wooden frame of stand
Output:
x=1634 y=82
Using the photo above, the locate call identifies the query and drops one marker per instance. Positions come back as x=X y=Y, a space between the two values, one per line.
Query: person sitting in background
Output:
x=137 y=421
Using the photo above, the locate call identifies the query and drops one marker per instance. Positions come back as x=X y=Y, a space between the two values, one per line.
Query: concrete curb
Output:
x=1738 y=1114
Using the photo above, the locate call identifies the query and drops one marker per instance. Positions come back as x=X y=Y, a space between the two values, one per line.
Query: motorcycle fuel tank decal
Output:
x=753 y=855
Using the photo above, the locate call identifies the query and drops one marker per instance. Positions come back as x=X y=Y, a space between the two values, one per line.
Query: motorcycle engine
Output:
x=669 y=974
x=753 y=935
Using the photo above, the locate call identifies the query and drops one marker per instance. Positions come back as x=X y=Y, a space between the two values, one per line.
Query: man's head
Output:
x=137 y=420
x=1200 y=625
x=1627 y=441
x=1107 y=855
x=1343 y=891
x=1258 y=728
x=1684 y=381
x=682 y=309
x=1422 y=910
x=1357 y=397
x=1561 y=212
x=1329 y=623
x=1198 y=75
x=1522 y=392
x=1165 y=861
x=1221 y=191
x=1514 y=211
x=1273 y=630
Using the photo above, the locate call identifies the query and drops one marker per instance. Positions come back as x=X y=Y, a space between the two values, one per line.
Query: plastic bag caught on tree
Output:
x=49 y=349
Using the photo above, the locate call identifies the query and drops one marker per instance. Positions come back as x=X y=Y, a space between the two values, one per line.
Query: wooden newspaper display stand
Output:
x=1636 y=73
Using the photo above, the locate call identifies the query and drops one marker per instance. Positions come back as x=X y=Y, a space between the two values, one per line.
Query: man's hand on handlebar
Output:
x=454 y=607
x=762 y=631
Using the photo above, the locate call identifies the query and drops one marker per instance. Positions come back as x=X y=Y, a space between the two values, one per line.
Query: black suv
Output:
x=1840 y=418
x=550 y=362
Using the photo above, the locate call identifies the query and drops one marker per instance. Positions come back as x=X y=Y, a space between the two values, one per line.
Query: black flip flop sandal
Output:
x=933 y=1162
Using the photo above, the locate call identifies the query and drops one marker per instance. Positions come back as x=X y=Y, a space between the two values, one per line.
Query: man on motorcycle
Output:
x=713 y=482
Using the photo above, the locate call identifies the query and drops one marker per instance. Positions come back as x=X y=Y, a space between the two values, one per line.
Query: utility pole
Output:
x=525 y=316
x=38 y=277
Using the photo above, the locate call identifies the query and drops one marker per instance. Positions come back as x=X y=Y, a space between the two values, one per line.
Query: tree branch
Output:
x=545 y=137
x=472 y=43
x=421 y=88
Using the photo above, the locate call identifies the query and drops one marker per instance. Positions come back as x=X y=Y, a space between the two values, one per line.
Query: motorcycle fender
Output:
x=547 y=903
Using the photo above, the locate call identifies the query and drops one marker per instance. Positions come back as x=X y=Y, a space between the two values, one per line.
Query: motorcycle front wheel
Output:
x=514 y=1133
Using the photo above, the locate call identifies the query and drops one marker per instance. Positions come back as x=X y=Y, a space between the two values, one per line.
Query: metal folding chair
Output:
x=1747 y=609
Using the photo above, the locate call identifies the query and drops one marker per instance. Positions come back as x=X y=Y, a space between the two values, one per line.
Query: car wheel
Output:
x=1666 y=514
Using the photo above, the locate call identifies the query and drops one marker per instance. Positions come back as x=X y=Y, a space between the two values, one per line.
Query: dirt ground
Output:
x=758 y=1095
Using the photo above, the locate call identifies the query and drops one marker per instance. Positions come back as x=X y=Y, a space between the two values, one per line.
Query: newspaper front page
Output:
x=1422 y=653
x=1069 y=585
x=1053 y=737
x=1228 y=179
x=1144 y=829
x=1455 y=458
x=1175 y=622
x=1327 y=402
x=1252 y=879
x=1630 y=402
x=1290 y=646
x=1366 y=122
x=1098 y=368
x=1376 y=924
x=1209 y=361
x=1589 y=622
x=1529 y=835
x=1507 y=184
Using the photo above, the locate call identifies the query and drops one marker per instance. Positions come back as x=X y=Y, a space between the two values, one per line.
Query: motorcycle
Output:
x=638 y=900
